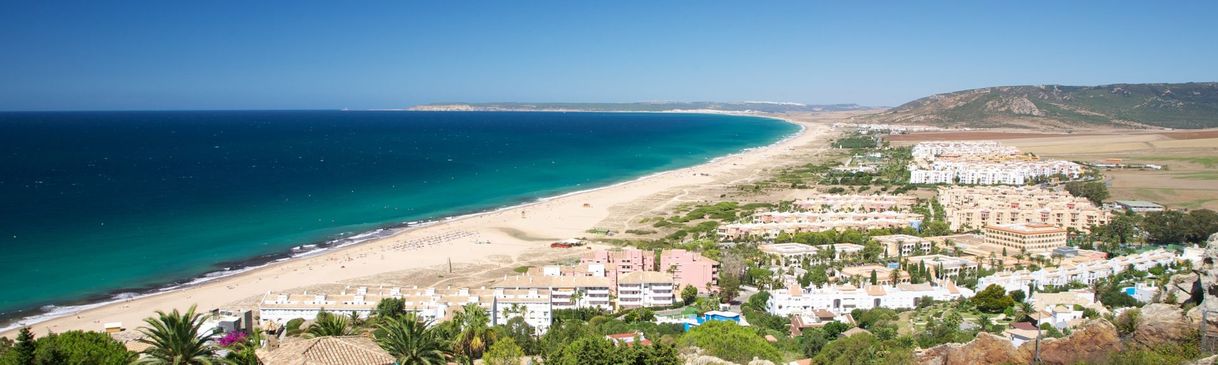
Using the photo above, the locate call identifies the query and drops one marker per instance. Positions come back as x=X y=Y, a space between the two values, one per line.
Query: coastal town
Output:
x=910 y=248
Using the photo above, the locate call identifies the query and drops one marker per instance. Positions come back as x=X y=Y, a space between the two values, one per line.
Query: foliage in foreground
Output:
x=730 y=341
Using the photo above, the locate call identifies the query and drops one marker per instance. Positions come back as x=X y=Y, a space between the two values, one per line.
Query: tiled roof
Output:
x=328 y=351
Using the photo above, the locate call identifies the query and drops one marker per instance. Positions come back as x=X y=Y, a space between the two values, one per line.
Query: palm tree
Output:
x=174 y=338
x=475 y=336
x=330 y=324
x=411 y=341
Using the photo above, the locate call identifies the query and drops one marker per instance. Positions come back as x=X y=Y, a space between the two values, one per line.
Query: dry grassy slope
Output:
x=1190 y=105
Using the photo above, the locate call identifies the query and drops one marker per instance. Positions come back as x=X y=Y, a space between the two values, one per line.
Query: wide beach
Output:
x=517 y=236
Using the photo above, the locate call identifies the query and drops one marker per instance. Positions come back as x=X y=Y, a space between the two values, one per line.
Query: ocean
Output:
x=95 y=205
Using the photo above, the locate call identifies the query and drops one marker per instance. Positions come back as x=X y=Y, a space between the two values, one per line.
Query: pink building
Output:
x=690 y=268
x=619 y=262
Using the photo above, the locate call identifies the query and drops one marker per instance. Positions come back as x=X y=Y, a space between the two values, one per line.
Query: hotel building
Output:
x=1030 y=237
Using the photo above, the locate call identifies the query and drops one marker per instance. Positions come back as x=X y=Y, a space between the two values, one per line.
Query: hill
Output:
x=1188 y=105
x=747 y=106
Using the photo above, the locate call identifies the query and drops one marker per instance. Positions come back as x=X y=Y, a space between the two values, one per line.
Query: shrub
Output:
x=731 y=342
x=1127 y=322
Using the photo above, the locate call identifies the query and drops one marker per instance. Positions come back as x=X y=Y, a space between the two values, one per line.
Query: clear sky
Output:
x=97 y=55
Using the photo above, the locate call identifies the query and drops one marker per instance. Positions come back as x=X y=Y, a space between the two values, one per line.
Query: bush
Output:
x=731 y=342
x=79 y=347
x=1127 y=322
x=993 y=299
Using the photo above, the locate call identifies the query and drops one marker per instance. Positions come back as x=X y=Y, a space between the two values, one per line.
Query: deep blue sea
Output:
x=96 y=203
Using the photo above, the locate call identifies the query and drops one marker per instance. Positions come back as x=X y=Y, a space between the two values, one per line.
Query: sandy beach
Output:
x=422 y=256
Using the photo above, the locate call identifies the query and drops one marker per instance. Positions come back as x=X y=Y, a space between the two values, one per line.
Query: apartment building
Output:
x=645 y=289
x=1086 y=273
x=944 y=266
x=904 y=245
x=534 y=305
x=768 y=226
x=980 y=163
x=1030 y=237
x=430 y=304
x=790 y=254
x=614 y=263
x=841 y=299
x=977 y=207
x=855 y=203
x=566 y=292
x=690 y=268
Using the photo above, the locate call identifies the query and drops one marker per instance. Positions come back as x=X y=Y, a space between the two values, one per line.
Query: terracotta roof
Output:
x=1023 y=326
x=854 y=331
x=328 y=351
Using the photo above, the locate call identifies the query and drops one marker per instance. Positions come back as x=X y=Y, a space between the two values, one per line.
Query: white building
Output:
x=791 y=254
x=845 y=298
x=904 y=245
x=429 y=304
x=1086 y=272
x=980 y=163
x=948 y=265
x=645 y=289
x=566 y=292
x=531 y=304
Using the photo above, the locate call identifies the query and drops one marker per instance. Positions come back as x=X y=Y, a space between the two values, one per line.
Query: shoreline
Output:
x=328 y=248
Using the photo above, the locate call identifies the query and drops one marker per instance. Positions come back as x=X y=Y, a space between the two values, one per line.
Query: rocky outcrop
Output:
x=1205 y=289
x=1091 y=342
x=695 y=356
x=985 y=349
x=1161 y=323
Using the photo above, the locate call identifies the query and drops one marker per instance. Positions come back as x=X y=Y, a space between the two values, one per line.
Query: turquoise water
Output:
x=94 y=203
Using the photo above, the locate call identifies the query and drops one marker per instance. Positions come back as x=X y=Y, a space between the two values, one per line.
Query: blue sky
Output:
x=100 y=55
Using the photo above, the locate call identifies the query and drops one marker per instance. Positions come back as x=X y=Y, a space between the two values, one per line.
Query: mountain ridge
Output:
x=1153 y=105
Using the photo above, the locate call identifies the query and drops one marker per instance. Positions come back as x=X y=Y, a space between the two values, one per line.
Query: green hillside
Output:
x=1188 y=105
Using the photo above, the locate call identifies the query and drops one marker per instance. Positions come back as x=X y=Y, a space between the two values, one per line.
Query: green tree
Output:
x=520 y=332
x=730 y=341
x=1018 y=295
x=729 y=287
x=811 y=341
x=1095 y=191
x=874 y=278
x=688 y=294
x=835 y=328
x=992 y=299
x=23 y=349
x=475 y=336
x=869 y=318
x=819 y=275
x=81 y=348
x=330 y=324
x=504 y=352
x=174 y=338
x=411 y=341
x=391 y=307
